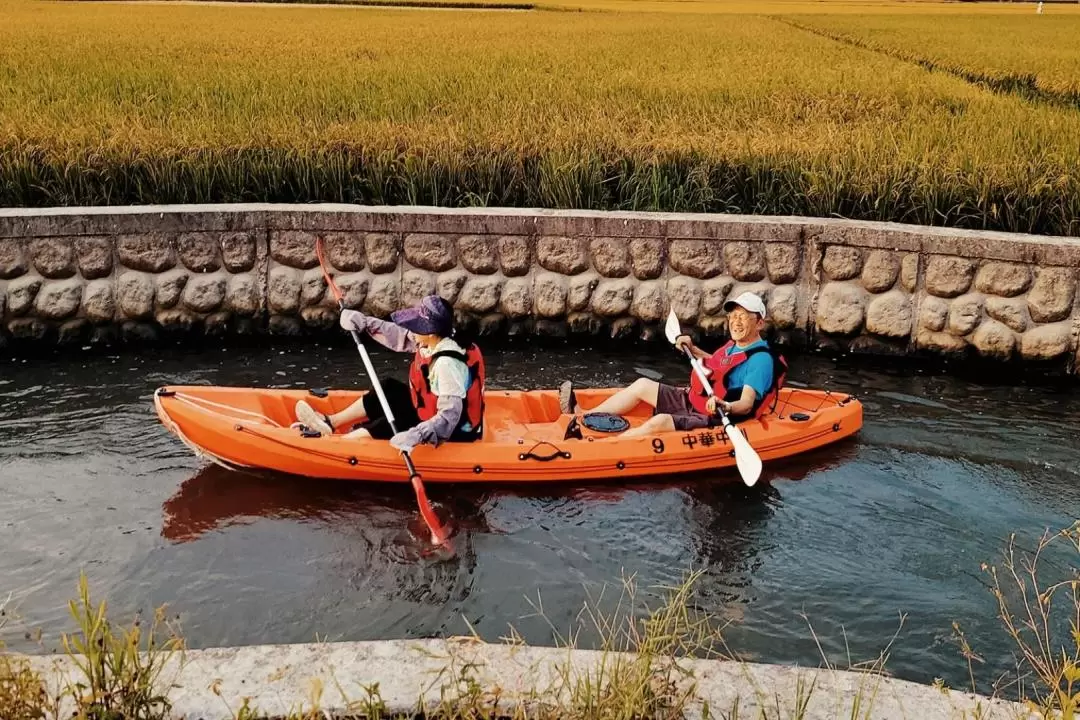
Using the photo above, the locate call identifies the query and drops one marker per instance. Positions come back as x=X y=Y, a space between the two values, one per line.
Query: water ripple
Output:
x=839 y=542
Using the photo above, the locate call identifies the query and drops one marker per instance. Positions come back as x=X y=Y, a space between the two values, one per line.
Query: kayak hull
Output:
x=524 y=437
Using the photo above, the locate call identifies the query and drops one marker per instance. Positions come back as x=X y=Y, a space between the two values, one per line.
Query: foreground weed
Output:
x=645 y=667
x=1043 y=619
x=640 y=673
x=120 y=667
x=22 y=689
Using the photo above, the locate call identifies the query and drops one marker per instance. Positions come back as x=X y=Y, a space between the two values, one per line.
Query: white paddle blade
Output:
x=746 y=459
x=671 y=327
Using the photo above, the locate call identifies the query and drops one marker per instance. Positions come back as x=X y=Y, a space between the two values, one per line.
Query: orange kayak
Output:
x=525 y=437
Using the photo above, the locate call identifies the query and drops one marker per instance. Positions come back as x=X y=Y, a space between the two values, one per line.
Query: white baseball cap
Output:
x=747 y=300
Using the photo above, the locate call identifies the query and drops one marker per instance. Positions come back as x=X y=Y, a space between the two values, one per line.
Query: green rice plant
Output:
x=622 y=110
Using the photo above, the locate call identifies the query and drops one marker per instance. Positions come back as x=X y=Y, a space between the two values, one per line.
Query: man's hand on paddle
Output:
x=742 y=406
x=684 y=342
x=712 y=403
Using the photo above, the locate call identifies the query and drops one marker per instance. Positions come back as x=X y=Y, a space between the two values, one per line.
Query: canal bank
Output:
x=466 y=678
x=85 y=276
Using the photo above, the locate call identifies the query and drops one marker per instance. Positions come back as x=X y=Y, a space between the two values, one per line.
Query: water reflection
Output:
x=216 y=498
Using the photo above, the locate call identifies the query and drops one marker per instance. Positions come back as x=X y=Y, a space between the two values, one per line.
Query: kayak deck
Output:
x=524 y=437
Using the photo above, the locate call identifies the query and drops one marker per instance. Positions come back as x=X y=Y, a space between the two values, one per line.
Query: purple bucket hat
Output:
x=431 y=316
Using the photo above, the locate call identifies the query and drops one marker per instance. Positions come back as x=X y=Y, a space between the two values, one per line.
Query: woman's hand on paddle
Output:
x=683 y=342
x=403 y=441
x=347 y=320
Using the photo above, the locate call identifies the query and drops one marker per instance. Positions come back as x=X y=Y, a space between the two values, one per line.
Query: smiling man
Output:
x=744 y=375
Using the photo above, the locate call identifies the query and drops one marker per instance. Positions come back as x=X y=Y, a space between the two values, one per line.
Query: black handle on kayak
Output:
x=543 y=458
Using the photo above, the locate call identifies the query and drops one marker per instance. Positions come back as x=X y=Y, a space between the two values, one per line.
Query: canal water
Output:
x=834 y=553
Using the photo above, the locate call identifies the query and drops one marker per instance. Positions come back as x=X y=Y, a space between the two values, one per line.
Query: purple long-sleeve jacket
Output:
x=448 y=408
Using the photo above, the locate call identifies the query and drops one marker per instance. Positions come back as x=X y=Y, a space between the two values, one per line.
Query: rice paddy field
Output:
x=962 y=114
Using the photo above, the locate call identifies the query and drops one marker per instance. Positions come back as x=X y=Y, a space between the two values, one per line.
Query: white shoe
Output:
x=314 y=421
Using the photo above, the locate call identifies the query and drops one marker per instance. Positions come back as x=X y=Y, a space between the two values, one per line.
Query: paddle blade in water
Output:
x=439 y=533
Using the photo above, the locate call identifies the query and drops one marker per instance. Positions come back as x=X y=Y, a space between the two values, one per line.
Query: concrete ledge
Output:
x=99 y=275
x=279 y=679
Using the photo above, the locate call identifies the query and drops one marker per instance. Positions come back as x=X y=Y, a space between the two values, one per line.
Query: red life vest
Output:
x=721 y=365
x=426 y=401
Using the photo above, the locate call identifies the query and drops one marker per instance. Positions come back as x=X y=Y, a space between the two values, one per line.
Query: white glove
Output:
x=403 y=442
x=347 y=320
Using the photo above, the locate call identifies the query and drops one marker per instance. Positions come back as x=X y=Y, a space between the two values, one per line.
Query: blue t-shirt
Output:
x=757 y=371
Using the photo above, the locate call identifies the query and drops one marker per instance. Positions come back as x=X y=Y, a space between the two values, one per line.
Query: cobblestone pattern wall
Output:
x=90 y=275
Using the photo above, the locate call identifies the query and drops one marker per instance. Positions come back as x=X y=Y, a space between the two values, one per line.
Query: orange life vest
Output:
x=426 y=401
x=722 y=364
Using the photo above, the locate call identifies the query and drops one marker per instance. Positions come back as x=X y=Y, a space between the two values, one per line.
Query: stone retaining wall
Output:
x=92 y=274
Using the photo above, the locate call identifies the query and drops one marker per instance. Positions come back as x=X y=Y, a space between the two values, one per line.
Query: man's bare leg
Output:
x=625 y=400
x=655 y=424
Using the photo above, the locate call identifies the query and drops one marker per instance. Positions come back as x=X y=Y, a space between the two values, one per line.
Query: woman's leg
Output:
x=357 y=434
x=367 y=408
x=316 y=420
x=399 y=398
x=352 y=414
x=312 y=418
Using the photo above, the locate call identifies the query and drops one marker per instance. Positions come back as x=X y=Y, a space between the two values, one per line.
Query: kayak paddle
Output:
x=747 y=460
x=438 y=533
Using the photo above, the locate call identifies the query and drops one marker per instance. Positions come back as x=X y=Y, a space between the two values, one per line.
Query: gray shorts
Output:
x=675 y=401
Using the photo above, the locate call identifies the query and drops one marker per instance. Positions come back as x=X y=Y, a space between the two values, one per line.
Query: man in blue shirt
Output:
x=742 y=374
